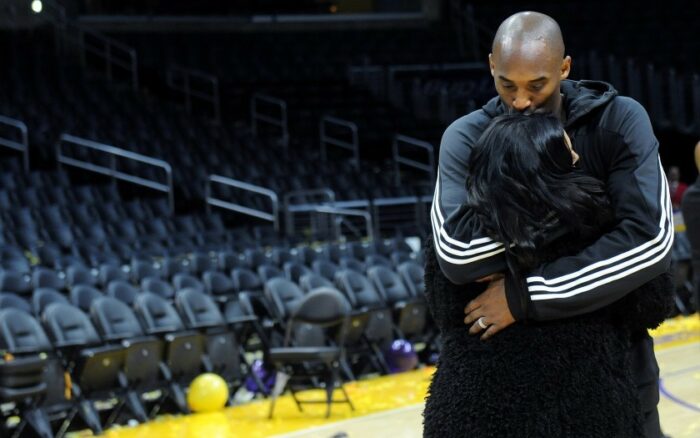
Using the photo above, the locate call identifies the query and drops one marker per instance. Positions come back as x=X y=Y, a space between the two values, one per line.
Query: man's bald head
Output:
x=528 y=63
x=528 y=32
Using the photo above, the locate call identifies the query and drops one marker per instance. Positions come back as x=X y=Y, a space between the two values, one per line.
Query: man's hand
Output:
x=491 y=307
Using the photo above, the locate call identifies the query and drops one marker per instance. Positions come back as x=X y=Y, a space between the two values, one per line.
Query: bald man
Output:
x=690 y=206
x=614 y=138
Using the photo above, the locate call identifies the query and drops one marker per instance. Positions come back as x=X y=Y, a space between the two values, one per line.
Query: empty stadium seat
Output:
x=9 y=300
x=157 y=286
x=409 y=311
x=122 y=291
x=43 y=297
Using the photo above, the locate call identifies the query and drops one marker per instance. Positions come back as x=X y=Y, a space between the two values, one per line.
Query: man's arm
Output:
x=634 y=252
x=463 y=250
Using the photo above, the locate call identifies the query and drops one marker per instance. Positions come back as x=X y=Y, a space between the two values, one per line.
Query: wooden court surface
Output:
x=391 y=406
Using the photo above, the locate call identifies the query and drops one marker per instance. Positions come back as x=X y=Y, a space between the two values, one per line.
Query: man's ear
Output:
x=492 y=67
x=565 y=68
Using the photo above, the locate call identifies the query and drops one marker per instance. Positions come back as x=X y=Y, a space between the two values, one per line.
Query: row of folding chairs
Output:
x=111 y=362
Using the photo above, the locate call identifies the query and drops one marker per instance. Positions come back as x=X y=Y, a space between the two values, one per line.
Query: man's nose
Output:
x=521 y=103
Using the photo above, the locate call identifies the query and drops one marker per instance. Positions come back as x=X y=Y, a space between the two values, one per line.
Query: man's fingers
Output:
x=475 y=328
x=490 y=331
x=471 y=306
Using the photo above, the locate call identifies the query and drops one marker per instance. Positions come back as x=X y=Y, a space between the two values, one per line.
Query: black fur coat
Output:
x=564 y=378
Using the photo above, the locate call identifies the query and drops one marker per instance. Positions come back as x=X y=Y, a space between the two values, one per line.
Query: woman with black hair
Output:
x=562 y=378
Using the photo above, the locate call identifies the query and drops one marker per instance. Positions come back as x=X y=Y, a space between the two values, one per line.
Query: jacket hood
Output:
x=580 y=98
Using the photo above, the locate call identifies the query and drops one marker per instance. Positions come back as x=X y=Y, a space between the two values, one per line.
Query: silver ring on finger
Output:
x=481 y=323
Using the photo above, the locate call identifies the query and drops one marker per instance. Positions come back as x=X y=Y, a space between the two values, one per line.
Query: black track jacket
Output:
x=614 y=137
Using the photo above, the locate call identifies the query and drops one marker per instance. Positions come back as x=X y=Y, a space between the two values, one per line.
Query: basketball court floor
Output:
x=392 y=405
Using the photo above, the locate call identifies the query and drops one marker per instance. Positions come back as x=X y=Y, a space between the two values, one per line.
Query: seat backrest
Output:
x=254 y=257
x=175 y=265
x=109 y=273
x=322 y=307
x=245 y=280
x=141 y=269
x=68 y=326
x=307 y=255
x=358 y=289
x=123 y=291
x=294 y=271
x=197 y=309
x=268 y=272
x=325 y=268
x=183 y=280
x=80 y=275
x=283 y=295
x=43 y=277
x=359 y=250
x=311 y=281
x=21 y=333
x=398 y=257
x=82 y=296
x=412 y=275
x=158 y=287
x=333 y=252
x=322 y=310
x=351 y=263
x=114 y=319
x=388 y=284
x=281 y=256
x=201 y=262
x=377 y=260
x=11 y=281
x=157 y=314
x=217 y=283
x=9 y=300
x=43 y=296
x=228 y=260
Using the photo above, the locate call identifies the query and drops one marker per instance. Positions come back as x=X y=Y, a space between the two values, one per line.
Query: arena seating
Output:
x=187 y=300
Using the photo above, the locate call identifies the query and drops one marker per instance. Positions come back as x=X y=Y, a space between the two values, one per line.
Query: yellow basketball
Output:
x=208 y=392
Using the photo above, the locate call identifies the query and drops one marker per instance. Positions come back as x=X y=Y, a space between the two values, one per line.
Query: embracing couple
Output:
x=549 y=255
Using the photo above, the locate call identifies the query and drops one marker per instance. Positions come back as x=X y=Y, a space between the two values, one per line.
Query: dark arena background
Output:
x=195 y=195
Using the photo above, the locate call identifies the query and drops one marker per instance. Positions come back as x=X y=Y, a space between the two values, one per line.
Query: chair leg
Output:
x=272 y=407
x=330 y=386
x=39 y=422
x=89 y=415
x=276 y=392
x=134 y=404
x=347 y=370
x=380 y=357
x=296 y=400
x=178 y=396
x=347 y=397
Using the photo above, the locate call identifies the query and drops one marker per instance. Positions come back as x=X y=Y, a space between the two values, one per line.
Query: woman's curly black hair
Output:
x=524 y=189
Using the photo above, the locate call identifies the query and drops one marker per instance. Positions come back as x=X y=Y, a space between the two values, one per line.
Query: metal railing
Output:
x=195 y=84
x=257 y=116
x=326 y=139
x=114 y=54
x=293 y=208
x=272 y=216
x=21 y=146
x=112 y=154
x=338 y=215
x=400 y=144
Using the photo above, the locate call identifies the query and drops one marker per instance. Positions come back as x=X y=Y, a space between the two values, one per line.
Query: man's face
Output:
x=527 y=76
